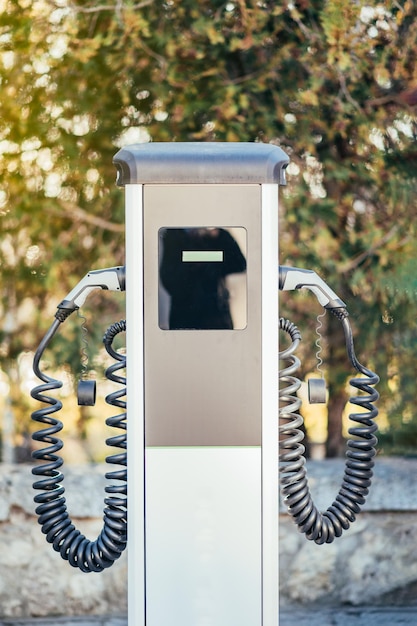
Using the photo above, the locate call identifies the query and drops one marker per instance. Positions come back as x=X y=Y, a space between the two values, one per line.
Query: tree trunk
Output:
x=335 y=444
x=337 y=375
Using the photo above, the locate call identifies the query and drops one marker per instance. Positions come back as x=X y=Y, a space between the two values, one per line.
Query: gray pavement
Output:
x=108 y=620
x=314 y=616
x=366 y=616
x=66 y=621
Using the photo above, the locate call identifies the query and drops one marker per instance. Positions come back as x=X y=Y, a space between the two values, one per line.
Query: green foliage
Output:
x=333 y=83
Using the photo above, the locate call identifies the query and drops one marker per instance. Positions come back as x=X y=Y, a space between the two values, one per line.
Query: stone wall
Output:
x=374 y=562
x=34 y=580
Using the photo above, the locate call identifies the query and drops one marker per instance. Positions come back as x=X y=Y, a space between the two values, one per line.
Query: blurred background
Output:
x=332 y=83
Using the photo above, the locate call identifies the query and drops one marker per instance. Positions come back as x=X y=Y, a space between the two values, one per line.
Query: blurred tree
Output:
x=333 y=83
x=57 y=219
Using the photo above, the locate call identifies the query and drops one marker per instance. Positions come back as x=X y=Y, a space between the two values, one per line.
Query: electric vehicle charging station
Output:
x=203 y=444
x=202 y=456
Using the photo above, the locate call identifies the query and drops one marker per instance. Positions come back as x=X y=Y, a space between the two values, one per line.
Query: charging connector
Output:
x=111 y=278
x=296 y=278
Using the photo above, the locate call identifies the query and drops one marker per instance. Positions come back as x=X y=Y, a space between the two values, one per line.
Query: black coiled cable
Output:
x=324 y=527
x=89 y=556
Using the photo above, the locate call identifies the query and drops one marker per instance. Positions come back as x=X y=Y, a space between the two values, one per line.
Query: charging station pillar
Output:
x=202 y=382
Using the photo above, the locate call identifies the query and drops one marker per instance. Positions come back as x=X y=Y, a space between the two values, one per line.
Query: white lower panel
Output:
x=203 y=536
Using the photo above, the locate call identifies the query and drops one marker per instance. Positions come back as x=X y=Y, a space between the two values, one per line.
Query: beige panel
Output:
x=202 y=387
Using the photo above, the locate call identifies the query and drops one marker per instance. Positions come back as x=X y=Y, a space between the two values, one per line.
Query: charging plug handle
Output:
x=296 y=278
x=110 y=278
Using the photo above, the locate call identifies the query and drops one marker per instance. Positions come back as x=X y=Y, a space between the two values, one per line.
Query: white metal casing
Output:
x=203 y=544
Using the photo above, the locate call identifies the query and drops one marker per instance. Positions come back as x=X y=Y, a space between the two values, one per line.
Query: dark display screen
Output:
x=202 y=278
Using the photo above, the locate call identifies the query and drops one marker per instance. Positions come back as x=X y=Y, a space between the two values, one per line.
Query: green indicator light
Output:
x=202 y=256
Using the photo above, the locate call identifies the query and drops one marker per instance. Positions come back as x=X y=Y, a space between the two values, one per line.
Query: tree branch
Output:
x=345 y=91
x=76 y=212
x=353 y=263
x=108 y=7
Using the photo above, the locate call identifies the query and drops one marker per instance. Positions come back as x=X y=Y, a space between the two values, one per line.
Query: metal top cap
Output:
x=201 y=162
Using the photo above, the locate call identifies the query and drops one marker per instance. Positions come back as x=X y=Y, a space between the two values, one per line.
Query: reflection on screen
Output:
x=202 y=278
